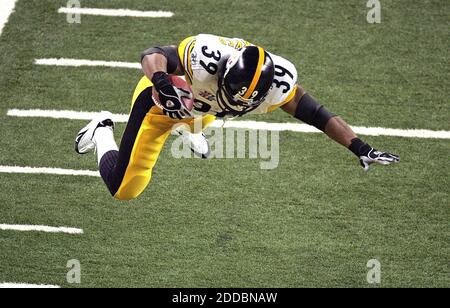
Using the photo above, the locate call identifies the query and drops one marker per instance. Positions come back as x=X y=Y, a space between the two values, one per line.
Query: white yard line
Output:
x=53 y=171
x=47 y=229
x=6 y=9
x=360 y=130
x=253 y=125
x=9 y=285
x=89 y=63
x=115 y=12
x=62 y=114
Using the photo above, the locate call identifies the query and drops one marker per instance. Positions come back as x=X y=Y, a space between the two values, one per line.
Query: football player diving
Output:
x=229 y=78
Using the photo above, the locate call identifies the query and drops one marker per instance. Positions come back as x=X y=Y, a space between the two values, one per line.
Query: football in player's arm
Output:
x=158 y=62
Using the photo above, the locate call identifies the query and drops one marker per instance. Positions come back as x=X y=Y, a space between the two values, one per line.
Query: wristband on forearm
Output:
x=359 y=147
x=160 y=80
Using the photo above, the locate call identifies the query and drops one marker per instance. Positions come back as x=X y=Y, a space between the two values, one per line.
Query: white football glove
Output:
x=374 y=156
x=368 y=155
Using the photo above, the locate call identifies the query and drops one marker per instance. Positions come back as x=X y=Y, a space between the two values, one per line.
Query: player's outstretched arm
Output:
x=305 y=108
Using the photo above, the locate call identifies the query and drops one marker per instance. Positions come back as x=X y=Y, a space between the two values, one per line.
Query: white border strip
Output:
x=62 y=114
x=9 y=285
x=87 y=63
x=6 y=9
x=28 y=228
x=115 y=12
x=256 y=125
x=54 y=171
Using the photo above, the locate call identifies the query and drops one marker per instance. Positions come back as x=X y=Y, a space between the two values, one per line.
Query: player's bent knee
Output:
x=133 y=189
x=127 y=195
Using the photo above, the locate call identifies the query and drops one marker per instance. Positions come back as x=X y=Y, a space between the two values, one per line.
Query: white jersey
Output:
x=203 y=56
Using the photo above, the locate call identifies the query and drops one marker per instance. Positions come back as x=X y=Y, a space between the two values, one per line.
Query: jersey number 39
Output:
x=211 y=67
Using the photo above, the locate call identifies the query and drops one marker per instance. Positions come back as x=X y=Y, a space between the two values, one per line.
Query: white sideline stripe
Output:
x=89 y=63
x=115 y=12
x=9 y=285
x=53 y=171
x=28 y=228
x=257 y=125
x=6 y=9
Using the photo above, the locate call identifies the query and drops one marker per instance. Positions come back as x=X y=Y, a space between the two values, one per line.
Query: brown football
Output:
x=179 y=83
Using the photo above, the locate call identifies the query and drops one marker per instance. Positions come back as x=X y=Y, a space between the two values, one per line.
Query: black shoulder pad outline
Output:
x=170 y=52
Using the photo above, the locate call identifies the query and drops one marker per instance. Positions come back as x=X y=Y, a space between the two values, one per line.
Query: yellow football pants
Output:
x=146 y=133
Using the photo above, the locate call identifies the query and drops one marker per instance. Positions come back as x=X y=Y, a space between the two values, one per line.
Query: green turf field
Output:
x=314 y=221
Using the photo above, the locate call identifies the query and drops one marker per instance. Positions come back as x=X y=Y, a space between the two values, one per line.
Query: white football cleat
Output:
x=198 y=143
x=84 y=143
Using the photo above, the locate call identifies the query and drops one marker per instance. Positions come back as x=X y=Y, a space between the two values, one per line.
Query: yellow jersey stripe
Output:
x=189 y=64
x=187 y=60
x=184 y=53
x=257 y=74
x=287 y=100
x=182 y=49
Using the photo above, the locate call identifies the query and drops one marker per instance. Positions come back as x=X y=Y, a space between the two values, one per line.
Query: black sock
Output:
x=359 y=147
x=107 y=166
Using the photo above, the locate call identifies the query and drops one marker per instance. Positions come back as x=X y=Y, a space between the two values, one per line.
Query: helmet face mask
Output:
x=238 y=100
x=247 y=78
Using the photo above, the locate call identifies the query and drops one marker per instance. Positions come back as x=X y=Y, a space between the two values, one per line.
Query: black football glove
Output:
x=368 y=155
x=170 y=97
